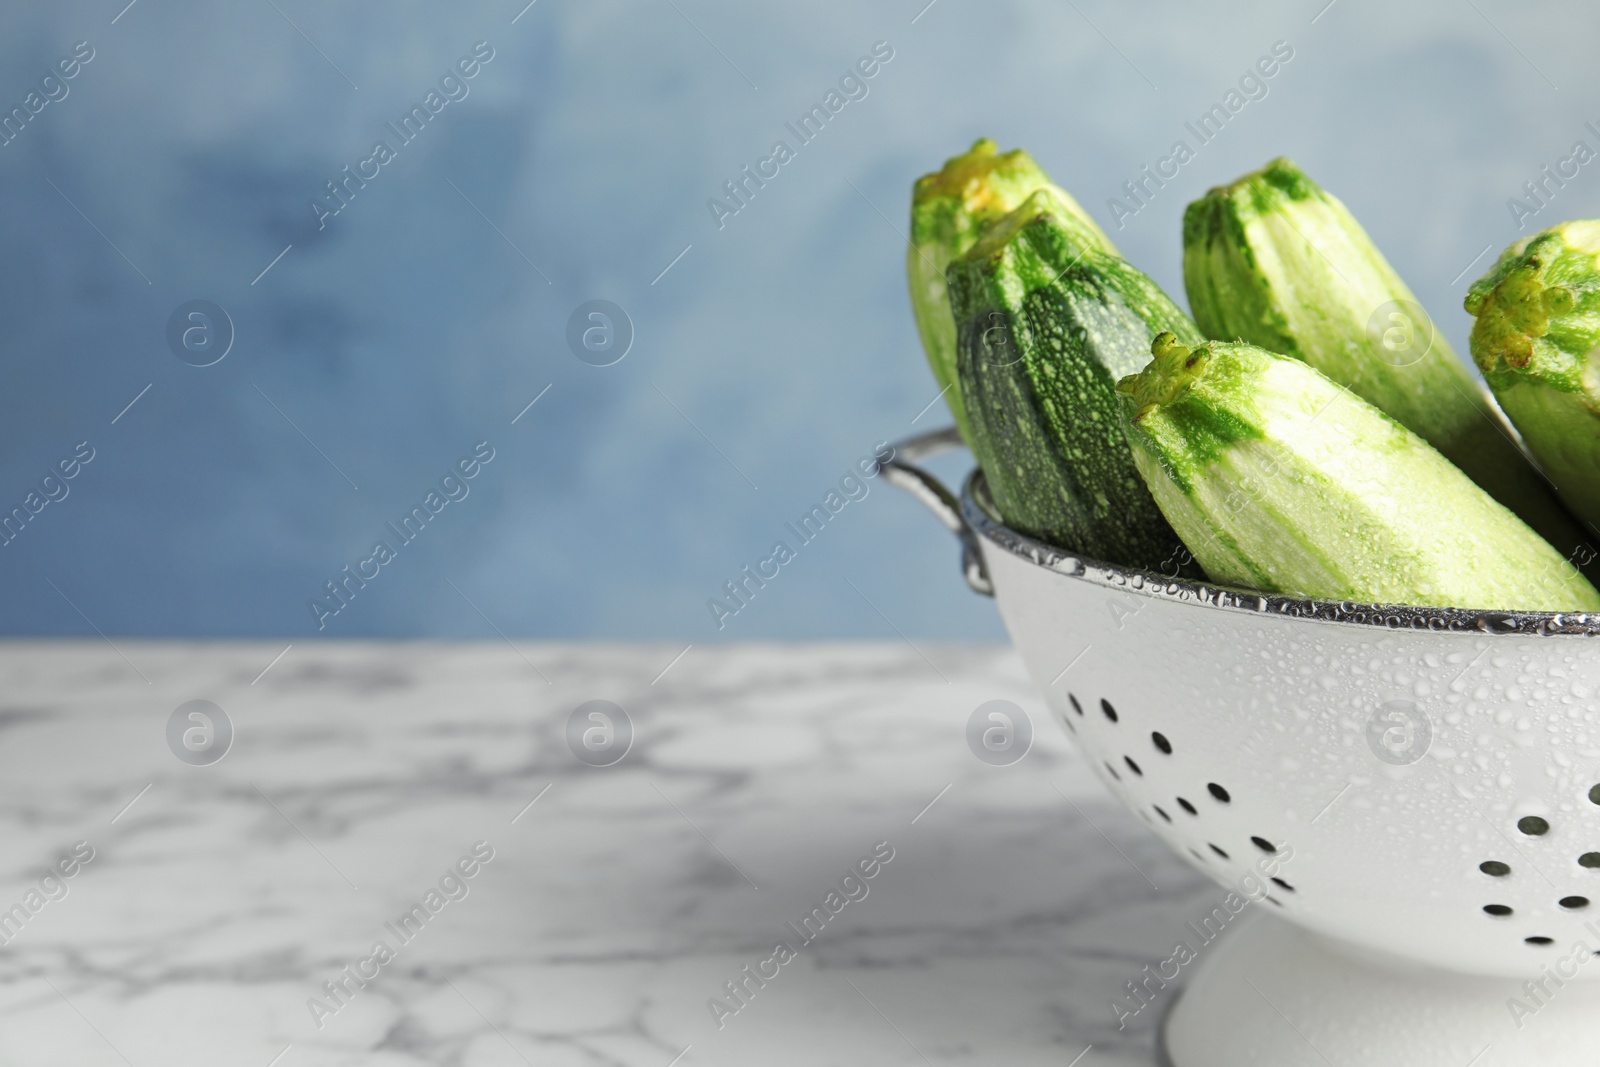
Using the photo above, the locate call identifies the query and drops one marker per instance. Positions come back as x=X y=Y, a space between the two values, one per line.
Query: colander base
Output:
x=1272 y=993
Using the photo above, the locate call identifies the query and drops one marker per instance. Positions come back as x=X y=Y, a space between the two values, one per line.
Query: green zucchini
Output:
x=1280 y=480
x=949 y=210
x=1047 y=324
x=1537 y=342
x=1274 y=260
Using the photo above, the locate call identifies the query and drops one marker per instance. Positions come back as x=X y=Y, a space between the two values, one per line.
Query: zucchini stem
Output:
x=1167 y=377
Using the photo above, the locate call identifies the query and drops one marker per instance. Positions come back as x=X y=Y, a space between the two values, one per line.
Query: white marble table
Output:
x=613 y=910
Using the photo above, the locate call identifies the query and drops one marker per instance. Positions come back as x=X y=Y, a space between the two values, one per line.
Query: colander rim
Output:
x=1218 y=597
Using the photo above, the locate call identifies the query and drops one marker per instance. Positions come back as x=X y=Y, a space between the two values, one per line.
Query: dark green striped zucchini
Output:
x=1046 y=324
x=1280 y=480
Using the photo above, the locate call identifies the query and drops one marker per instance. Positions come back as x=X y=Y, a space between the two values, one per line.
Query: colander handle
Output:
x=902 y=471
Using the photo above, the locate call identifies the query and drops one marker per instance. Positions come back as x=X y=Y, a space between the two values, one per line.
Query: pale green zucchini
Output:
x=1274 y=260
x=949 y=210
x=1280 y=480
x=1537 y=342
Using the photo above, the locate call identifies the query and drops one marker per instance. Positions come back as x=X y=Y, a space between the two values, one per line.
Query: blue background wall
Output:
x=412 y=326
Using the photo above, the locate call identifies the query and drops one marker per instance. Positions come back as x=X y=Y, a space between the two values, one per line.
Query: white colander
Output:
x=1430 y=779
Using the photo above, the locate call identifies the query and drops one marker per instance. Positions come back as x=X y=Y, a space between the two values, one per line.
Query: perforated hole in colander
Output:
x=1533 y=826
x=1218 y=850
x=1111 y=712
x=1132 y=766
x=1499 y=911
x=1161 y=812
x=1077 y=707
x=1220 y=793
x=1161 y=742
x=1281 y=884
x=1574 y=903
x=1589 y=859
x=1540 y=940
x=1594 y=795
x=1188 y=807
x=1264 y=845
x=1494 y=868
x=1112 y=771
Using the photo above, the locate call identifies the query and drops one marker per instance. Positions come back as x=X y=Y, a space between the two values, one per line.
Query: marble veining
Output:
x=618 y=900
